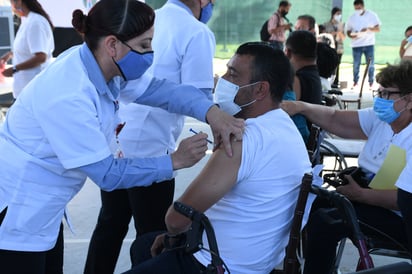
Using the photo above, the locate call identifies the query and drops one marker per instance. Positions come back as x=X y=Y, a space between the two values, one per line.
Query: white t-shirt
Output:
x=380 y=137
x=408 y=50
x=35 y=35
x=252 y=222
x=358 y=22
x=183 y=53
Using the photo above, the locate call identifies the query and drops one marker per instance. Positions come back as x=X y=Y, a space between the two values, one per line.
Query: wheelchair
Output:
x=194 y=242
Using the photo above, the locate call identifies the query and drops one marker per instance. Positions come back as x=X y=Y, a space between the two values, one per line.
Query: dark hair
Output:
x=399 y=76
x=124 y=19
x=358 y=2
x=327 y=60
x=302 y=43
x=311 y=20
x=284 y=4
x=270 y=65
x=35 y=6
x=322 y=28
x=334 y=10
x=408 y=29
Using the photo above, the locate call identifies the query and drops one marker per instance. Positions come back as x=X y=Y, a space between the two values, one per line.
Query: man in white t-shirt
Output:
x=361 y=28
x=184 y=47
x=249 y=198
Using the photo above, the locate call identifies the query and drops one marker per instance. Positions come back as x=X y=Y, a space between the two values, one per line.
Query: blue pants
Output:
x=369 y=52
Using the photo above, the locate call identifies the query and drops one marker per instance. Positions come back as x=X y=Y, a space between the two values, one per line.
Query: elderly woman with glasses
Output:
x=386 y=125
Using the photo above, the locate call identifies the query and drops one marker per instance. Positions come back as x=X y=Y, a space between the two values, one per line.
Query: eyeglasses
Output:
x=384 y=93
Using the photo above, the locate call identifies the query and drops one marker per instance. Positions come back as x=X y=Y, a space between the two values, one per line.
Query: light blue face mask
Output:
x=206 y=13
x=385 y=110
x=134 y=64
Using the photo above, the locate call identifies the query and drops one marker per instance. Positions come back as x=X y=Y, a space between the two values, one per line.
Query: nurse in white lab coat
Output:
x=33 y=45
x=58 y=131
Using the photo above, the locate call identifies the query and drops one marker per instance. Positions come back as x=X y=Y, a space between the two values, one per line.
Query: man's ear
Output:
x=409 y=105
x=262 y=90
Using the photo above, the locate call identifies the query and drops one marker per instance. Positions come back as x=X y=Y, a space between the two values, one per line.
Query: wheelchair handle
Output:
x=204 y=225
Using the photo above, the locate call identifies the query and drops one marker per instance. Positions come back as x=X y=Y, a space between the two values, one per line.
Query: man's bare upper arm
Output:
x=215 y=180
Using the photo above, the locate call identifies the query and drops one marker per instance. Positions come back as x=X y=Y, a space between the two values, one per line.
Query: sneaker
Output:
x=370 y=86
x=355 y=85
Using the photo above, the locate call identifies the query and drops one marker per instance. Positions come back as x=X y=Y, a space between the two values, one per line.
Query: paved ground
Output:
x=84 y=207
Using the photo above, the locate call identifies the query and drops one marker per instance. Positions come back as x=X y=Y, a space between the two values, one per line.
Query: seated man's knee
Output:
x=140 y=248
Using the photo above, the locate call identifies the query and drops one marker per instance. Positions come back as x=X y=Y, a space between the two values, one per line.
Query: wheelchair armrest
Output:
x=201 y=223
x=344 y=206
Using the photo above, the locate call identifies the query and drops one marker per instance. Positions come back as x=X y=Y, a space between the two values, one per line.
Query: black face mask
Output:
x=284 y=13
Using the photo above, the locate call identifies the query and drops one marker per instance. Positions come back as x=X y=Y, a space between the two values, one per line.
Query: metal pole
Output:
x=224 y=49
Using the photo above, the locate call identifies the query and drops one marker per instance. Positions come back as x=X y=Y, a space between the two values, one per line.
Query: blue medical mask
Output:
x=224 y=96
x=206 y=13
x=385 y=110
x=134 y=64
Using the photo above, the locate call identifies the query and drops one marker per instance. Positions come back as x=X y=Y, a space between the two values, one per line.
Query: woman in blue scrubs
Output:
x=59 y=130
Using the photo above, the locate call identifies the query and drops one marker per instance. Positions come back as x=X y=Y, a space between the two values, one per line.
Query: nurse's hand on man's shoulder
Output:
x=190 y=151
x=223 y=127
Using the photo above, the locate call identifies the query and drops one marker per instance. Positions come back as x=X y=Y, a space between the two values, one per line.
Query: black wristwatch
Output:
x=14 y=69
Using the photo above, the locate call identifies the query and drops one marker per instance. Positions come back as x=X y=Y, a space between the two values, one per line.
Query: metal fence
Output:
x=237 y=21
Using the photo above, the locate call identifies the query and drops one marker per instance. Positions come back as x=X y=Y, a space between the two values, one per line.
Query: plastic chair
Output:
x=346 y=100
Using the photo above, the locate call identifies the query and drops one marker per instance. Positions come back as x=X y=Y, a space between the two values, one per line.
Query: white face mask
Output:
x=224 y=96
x=337 y=17
x=359 y=12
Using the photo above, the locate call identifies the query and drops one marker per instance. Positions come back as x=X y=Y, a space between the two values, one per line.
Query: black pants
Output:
x=336 y=81
x=147 y=205
x=405 y=205
x=168 y=262
x=323 y=236
x=22 y=262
